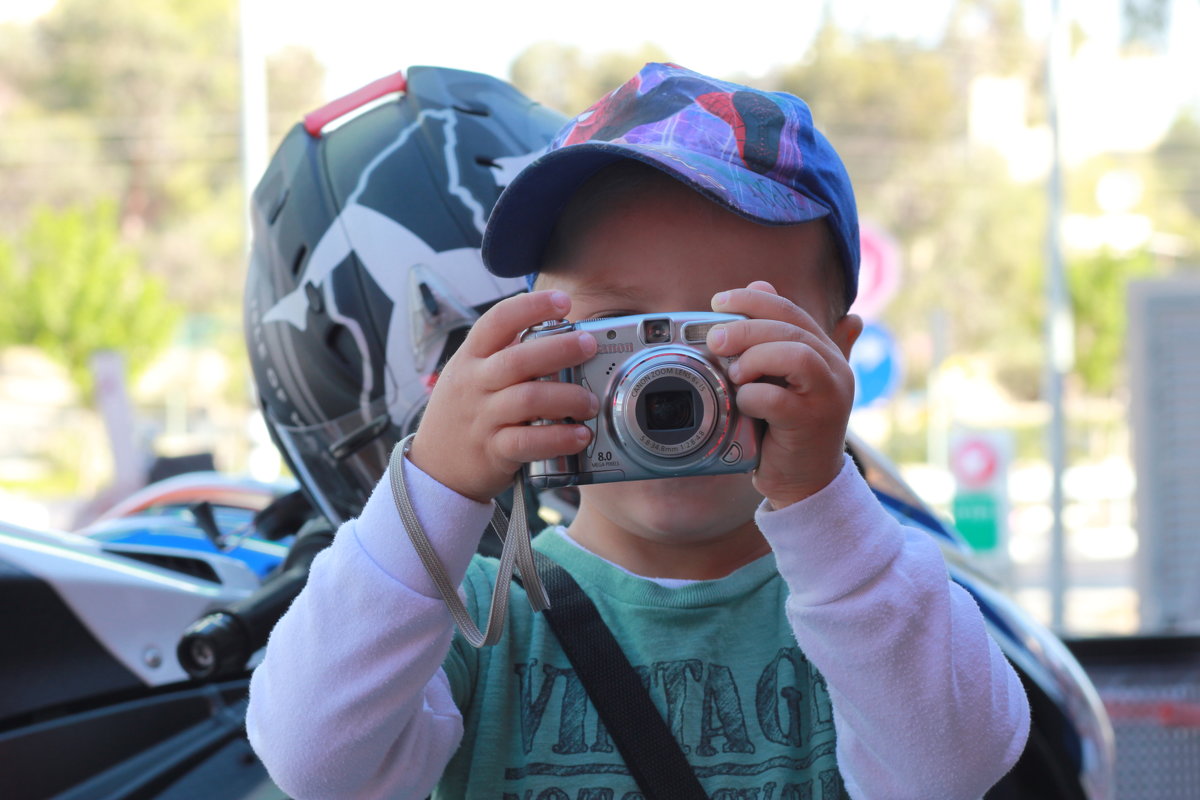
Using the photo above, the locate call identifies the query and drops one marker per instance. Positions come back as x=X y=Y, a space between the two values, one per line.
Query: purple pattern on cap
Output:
x=756 y=153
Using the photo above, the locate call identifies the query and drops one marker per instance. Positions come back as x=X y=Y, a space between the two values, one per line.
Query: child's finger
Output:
x=503 y=322
x=771 y=402
x=535 y=358
x=800 y=367
x=733 y=338
x=525 y=443
x=537 y=400
x=763 y=304
x=762 y=286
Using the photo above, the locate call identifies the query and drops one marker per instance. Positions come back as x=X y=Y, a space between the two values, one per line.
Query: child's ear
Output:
x=846 y=331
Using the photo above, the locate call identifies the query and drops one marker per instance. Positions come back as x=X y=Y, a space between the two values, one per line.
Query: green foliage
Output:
x=882 y=93
x=563 y=78
x=1176 y=157
x=971 y=238
x=75 y=289
x=989 y=37
x=9 y=295
x=1097 y=284
x=138 y=100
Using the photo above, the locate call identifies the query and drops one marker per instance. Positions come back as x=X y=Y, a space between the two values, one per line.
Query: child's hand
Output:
x=473 y=436
x=790 y=373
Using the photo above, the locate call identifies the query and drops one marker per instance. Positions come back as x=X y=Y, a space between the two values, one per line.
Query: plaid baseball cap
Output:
x=756 y=153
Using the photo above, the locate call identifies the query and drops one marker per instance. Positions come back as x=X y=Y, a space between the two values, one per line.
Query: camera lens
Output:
x=666 y=410
x=670 y=411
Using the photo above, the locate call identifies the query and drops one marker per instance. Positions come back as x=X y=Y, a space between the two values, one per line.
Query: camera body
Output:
x=666 y=403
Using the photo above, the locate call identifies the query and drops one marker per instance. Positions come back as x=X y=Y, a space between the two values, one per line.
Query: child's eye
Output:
x=610 y=314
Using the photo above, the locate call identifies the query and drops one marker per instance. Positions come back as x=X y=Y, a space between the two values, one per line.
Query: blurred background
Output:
x=1028 y=175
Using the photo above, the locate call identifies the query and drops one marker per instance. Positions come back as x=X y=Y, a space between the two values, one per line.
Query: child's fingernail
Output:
x=593 y=404
x=582 y=434
x=720 y=299
x=717 y=335
x=587 y=343
x=560 y=301
x=734 y=370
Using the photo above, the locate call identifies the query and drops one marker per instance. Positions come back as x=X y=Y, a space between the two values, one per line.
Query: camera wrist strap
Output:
x=641 y=735
x=517 y=553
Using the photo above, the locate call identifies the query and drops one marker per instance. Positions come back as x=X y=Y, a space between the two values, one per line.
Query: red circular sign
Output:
x=878 y=270
x=974 y=462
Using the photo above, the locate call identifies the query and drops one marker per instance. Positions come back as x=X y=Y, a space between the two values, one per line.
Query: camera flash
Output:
x=697 y=332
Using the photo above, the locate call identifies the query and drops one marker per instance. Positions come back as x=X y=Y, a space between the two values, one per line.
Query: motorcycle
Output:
x=94 y=701
x=128 y=645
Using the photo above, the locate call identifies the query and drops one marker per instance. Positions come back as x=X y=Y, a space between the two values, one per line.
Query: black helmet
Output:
x=365 y=271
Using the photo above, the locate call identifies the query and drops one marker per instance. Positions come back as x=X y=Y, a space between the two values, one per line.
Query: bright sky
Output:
x=360 y=40
x=364 y=39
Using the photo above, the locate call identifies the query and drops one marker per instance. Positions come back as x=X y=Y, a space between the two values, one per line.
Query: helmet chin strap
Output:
x=517 y=554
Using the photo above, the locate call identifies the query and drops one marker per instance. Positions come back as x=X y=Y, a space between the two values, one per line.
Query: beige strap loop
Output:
x=517 y=553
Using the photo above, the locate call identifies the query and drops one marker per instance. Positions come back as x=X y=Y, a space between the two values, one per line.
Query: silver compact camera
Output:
x=666 y=403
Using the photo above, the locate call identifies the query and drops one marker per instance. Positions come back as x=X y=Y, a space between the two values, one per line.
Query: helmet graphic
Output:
x=365 y=272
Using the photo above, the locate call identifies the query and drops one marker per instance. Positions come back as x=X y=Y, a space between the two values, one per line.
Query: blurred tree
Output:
x=9 y=295
x=1178 y=156
x=971 y=237
x=883 y=102
x=989 y=37
x=294 y=79
x=139 y=70
x=563 y=78
x=73 y=288
x=1097 y=284
x=1144 y=24
x=139 y=100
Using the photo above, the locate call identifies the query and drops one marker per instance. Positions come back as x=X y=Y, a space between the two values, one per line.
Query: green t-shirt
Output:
x=719 y=659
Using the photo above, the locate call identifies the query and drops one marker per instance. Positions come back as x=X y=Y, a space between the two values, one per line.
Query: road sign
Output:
x=977 y=517
x=979 y=463
x=878 y=270
x=875 y=360
x=975 y=462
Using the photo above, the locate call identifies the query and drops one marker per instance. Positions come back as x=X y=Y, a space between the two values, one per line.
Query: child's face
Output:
x=666 y=248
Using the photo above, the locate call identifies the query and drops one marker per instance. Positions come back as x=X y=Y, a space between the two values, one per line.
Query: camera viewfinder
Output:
x=656 y=331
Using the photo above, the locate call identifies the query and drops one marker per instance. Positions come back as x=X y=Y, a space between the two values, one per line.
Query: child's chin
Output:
x=704 y=484
x=692 y=496
x=705 y=494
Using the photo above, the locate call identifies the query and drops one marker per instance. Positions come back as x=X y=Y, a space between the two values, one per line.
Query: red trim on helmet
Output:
x=316 y=120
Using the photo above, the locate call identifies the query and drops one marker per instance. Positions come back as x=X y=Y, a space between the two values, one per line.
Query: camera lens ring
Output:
x=683 y=369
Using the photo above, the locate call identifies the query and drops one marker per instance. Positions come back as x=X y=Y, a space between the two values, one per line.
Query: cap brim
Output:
x=525 y=215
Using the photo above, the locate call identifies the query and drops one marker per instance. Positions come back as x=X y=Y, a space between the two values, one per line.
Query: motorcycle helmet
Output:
x=365 y=272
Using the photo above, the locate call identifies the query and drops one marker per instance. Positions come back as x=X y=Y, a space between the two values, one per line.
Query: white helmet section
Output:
x=366 y=274
x=378 y=240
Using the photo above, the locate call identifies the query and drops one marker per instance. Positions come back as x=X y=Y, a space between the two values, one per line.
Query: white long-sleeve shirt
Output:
x=851 y=629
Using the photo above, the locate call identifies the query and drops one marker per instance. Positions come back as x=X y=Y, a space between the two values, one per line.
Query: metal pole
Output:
x=254 y=103
x=1059 y=323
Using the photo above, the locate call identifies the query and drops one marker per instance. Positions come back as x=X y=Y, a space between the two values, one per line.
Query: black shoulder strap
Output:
x=637 y=729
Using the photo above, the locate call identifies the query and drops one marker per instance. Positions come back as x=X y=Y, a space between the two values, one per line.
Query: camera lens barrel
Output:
x=670 y=406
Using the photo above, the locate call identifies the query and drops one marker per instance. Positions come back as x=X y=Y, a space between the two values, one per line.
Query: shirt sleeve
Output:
x=912 y=672
x=350 y=699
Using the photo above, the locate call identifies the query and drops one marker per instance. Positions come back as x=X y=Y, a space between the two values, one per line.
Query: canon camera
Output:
x=666 y=402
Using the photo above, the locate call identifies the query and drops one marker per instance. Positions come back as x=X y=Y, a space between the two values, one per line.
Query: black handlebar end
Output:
x=213 y=647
